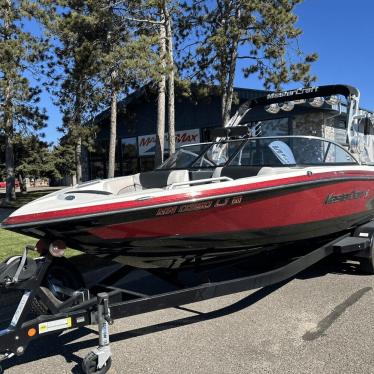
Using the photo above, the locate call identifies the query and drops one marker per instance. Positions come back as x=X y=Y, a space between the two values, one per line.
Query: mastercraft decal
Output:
x=354 y=195
x=299 y=91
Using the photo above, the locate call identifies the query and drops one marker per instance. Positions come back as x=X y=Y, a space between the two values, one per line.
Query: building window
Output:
x=147 y=163
x=129 y=150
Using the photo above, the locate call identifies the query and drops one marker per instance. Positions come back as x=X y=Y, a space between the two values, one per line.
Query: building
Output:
x=195 y=116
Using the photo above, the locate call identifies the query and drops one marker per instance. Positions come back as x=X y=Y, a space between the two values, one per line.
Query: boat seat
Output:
x=200 y=174
x=162 y=178
x=155 y=179
x=120 y=184
x=178 y=176
x=236 y=172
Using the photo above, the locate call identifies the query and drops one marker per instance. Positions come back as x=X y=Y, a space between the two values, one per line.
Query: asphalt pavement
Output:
x=320 y=322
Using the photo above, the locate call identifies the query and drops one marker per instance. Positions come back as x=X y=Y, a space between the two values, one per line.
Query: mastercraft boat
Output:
x=240 y=193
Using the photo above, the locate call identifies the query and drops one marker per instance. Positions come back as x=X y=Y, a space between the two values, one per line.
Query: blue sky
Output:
x=340 y=31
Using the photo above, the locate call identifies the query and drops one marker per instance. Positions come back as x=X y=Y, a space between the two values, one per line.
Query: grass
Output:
x=24 y=198
x=12 y=244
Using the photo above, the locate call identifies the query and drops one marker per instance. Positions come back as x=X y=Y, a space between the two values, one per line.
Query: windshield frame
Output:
x=246 y=140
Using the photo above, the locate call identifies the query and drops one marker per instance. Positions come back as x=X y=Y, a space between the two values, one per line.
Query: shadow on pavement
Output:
x=65 y=346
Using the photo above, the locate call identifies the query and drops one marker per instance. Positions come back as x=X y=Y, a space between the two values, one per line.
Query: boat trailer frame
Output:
x=82 y=309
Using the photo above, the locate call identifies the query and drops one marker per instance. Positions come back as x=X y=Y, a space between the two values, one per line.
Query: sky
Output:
x=341 y=32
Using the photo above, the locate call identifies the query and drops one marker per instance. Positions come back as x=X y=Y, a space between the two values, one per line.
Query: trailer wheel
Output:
x=89 y=364
x=367 y=264
x=60 y=273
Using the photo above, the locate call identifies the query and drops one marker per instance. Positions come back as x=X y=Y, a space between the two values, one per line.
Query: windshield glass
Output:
x=206 y=155
x=270 y=151
x=184 y=157
x=291 y=151
x=218 y=154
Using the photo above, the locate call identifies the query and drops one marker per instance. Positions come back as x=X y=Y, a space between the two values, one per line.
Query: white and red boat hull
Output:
x=220 y=218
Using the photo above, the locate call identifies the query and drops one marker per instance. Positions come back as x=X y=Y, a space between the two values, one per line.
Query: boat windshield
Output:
x=266 y=151
x=206 y=155
x=282 y=151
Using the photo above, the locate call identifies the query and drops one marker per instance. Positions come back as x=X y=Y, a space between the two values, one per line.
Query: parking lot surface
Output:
x=320 y=322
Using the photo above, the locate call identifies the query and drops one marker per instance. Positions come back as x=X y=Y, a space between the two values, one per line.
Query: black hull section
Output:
x=175 y=252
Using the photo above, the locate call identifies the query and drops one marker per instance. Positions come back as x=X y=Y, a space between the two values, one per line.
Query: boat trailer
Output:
x=40 y=313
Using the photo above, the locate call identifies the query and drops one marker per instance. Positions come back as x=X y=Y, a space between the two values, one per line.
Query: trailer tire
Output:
x=63 y=271
x=367 y=263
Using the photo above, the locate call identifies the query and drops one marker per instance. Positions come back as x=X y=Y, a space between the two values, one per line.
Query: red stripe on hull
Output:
x=298 y=207
x=183 y=197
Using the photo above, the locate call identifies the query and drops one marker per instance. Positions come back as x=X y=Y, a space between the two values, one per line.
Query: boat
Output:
x=240 y=194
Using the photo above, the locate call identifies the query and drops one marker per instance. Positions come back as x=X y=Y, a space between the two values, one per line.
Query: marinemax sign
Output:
x=147 y=143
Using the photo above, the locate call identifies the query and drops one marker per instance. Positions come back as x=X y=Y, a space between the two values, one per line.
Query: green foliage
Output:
x=63 y=156
x=73 y=67
x=212 y=38
x=21 y=54
x=33 y=158
x=100 y=56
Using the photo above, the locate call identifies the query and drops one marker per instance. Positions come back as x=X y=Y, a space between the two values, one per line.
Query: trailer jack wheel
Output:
x=90 y=364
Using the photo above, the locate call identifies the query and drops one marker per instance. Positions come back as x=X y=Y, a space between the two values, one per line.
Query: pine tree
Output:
x=125 y=60
x=34 y=159
x=20 y=53
x=72 y=73
x=155 y=17
x=63 y=158
x=213 y=37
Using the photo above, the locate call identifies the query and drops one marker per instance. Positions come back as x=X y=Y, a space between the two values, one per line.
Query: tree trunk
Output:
x=171 y=95
x=229 y=91
x=8 y=118
x=9 y=165
x=223 y=102
x=78 y=160
x=22 y=184
x=113 y=130
x=160 y=136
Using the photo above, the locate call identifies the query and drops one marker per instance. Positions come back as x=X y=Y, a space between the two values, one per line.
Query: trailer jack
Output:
x=99 y=359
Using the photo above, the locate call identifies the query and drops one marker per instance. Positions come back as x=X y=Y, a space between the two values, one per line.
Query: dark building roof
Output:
x=137 y=113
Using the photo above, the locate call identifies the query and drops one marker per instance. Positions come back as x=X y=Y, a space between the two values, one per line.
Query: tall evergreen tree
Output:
x=214 y=36
x=73 y=72
x=20 y=53
x=34 y=159
x=125 y=62
x=155 y=17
